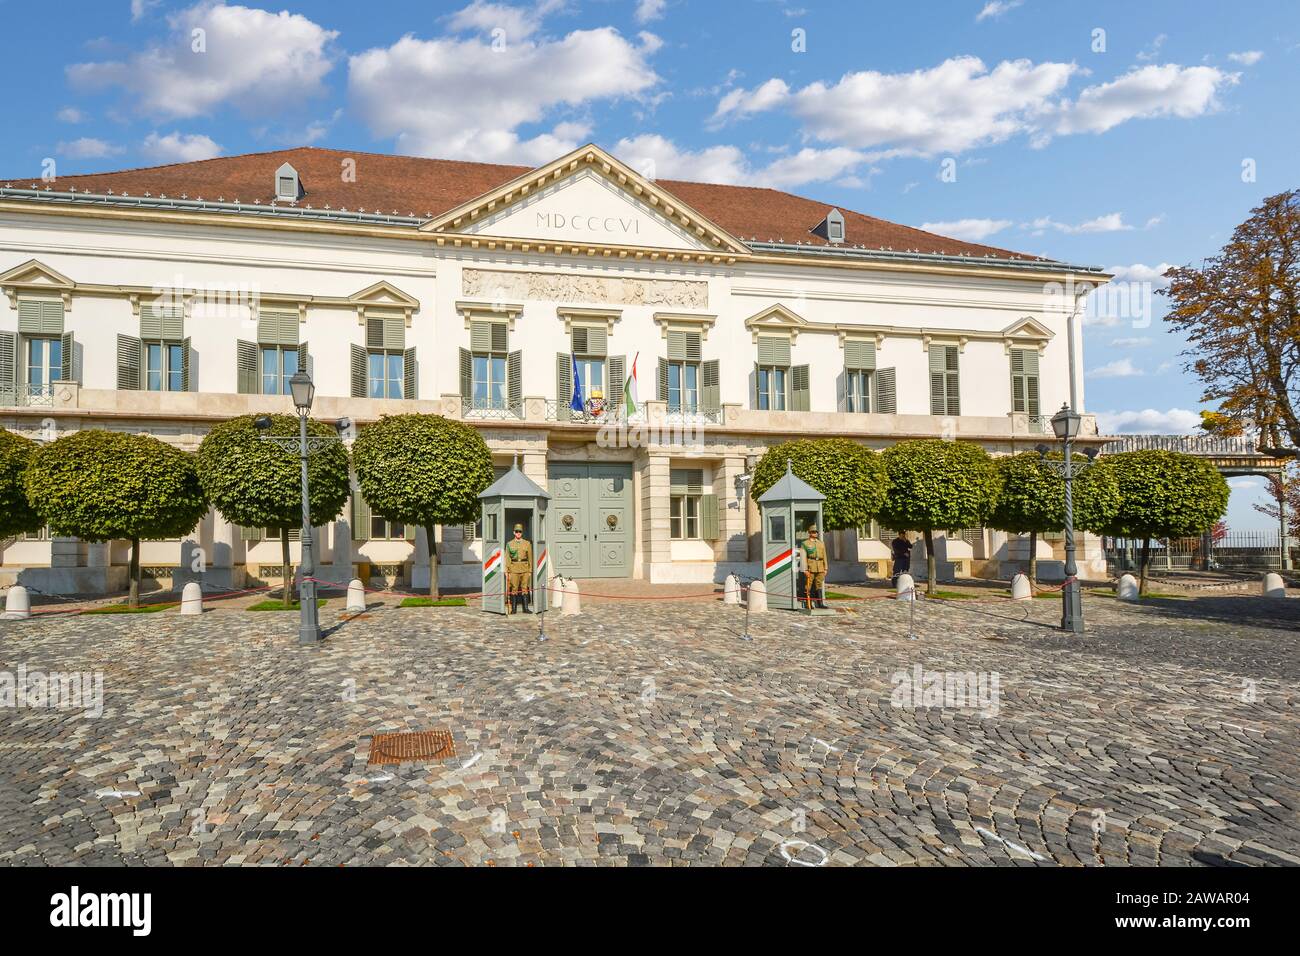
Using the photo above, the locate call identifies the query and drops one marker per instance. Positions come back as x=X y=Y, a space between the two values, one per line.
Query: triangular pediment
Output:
x=384 y=293
x=36 y=275
x=587 y=198
x=776 y=318
x=1029 y=329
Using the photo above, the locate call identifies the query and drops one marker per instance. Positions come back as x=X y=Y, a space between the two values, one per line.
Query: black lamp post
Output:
x=1066 y=424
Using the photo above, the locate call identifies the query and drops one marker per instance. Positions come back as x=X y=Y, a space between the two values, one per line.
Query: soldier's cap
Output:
x=812 y=529
x=519 y=527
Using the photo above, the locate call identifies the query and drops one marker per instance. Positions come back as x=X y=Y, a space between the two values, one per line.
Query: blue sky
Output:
x=1123 y=149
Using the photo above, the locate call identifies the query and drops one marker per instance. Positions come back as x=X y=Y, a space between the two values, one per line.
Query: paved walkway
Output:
x=651 y=733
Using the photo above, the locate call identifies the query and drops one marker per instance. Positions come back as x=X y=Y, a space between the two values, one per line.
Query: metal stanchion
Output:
x=746 y=636
x=541 y=617
x=911 y=616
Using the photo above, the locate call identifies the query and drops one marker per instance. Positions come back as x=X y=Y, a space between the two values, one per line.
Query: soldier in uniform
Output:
x=519 y=572
x=814 y=564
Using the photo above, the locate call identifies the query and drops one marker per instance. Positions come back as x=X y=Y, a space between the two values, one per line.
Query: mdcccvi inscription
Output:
x=614 y=225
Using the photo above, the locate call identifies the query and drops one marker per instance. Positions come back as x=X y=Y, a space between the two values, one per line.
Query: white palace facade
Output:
x=165 y=300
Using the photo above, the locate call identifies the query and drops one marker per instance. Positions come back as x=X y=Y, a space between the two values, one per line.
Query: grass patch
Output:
x=952 y=595
x=127 y=609
x=840 y=596
x=432 y=602
x=279 y=605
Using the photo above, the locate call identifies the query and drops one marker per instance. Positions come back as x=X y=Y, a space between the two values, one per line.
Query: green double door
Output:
x=591 y=520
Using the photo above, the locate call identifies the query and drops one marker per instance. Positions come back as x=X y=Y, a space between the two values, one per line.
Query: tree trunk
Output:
x=1033 y=557
x=133 y=586
x=286 y=569
x=929 y=562
x=1143 y=565
x=429 y=530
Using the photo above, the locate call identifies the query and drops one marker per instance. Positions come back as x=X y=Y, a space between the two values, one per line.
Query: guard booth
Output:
x=513 y=499
x=786 y=510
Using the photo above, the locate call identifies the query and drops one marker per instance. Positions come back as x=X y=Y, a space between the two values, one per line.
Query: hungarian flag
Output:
x=629 y=390
x=492 y=565
x=777 y=564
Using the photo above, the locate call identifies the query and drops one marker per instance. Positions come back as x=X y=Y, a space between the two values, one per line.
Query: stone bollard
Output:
x=572 y=598
x=1021 y=590
x=1126 y=589
x=1273 y=586
x=757 y=600
x=905 y=590
x=18 y=606
x=731 y=590
x=192 y=599
x=555 y=593
x=356 y=596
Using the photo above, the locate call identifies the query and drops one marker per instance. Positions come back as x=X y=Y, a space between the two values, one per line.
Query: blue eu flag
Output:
x=576 y=403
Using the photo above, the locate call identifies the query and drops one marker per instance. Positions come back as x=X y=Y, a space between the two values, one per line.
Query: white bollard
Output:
x=906 y=588
x=1127 y=588
x=757 y=597
x=1273 y=586
x=1021 y=589
x=572 y=598
x=356 y=596
x=18 y=606
x=555 y=593
x=192 y=599
x=731 y=590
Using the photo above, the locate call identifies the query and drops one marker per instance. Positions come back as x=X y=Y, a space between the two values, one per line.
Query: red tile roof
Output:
x=406 y=185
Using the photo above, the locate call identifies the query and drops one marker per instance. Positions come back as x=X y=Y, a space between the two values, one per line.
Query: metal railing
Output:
x=1207 y=445
x=487 y=410
x=558 y=411
x=28 y=395
x=1040 y=424
x=699 y=415
x=1238 y=550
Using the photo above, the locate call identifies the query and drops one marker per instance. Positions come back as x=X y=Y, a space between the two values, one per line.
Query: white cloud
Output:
x=949 y=108
x=1111 y=222
x=179 y=147
x=647 y=10
x=972 y=230
x=1120 y=368
x=1247 y=57
x=517 y=23
x=1140 y=272
x=729 y=164
x=259 y=62
x=460 y=99
x=140 y=7
x=1237 y=484
x=70 y=114
x=88 y=148
x=1153 y=51
x=1136 y=342
x=996 y=8
x=1175 y=421
x=1143 y=93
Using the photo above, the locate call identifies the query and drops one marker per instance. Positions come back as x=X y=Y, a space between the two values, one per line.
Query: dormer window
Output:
x=287 y=185
x=831 y=228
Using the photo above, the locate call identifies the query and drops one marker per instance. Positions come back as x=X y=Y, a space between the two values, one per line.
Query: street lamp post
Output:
x=1065 y=424
x=304 y=392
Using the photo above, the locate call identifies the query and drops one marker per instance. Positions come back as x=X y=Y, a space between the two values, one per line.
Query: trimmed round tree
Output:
x=100 y=485
x=1032 y=499
x=422 y=470
x=850 y=475
x=938 y=485
x=1164 y=494
x=257 y=484
x=16 y=513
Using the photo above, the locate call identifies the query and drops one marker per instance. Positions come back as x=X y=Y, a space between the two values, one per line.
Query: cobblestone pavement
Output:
x=652 y=734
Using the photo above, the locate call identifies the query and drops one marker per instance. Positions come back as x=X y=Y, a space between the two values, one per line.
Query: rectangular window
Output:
x=386 y=373
x=381 y=529
x=684 y=517
x=489 y=382
x=591 y=372
x=164 y=366
x=683 y=386
x=773 y=385
x=44 y=361
x=858 y=391
x=279 y=364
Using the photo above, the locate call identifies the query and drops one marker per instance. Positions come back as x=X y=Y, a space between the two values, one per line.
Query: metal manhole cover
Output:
x=416 y=745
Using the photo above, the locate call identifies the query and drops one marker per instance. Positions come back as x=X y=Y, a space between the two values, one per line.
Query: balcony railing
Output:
x=557 y=411
x=490 y=411
x=1040 y=424
x=28 y=395
x=698 y=415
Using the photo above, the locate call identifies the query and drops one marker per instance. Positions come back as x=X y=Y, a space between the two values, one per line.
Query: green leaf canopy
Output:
x=938 y=485
x=99 y=485
x=1165 y=494
x=1032 y=498
x=258 y=484
x=422 y=469
x=850 y=475
x=16 y=513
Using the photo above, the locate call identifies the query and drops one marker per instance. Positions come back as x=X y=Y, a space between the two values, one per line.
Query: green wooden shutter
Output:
x=185 y=365
x=773 y=350
x=466 y=378
x=128 y=362
x=480 y=336
x=597 y=341
x=709 y=517
x=944 y=396
x=250 y=534
x=753 y=394
x=617 y=378
x=303 y=356
x=800 y=389
x=40 y=317
x=277 y=327
x=859 y=354
x=515 y=380
x=500 y=337
x=158 y=323
x=410 y=383
x=8 y=366
x=953 y=382
x=387 y=332
x=358 y=371
x=67 y=348
x=676 y=345
x=710 y=386
x=563 y=385
x=662 y=391
x=246 y=368
x=686 y=481
x=1024 y=381
x=360 y=517
x=885 y=401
